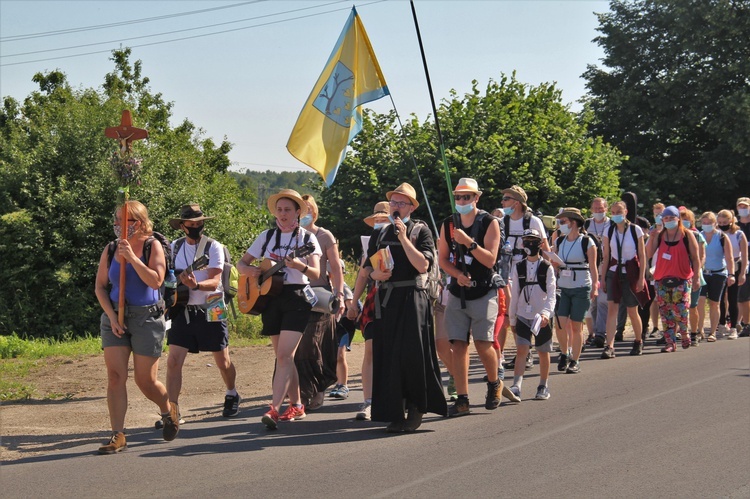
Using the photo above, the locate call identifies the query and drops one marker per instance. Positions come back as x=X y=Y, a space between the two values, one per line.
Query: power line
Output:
x=189 y=37
x=29 y=36
x=169 y=32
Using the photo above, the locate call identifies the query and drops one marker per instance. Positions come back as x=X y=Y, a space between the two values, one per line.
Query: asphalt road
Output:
x=660 y=425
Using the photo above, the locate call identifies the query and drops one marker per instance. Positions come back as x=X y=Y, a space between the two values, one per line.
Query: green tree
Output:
x=57 y=193
x=674 y=96
x=510 y=133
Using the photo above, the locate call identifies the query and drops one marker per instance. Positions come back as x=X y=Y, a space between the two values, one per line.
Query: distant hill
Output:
x=262 y=184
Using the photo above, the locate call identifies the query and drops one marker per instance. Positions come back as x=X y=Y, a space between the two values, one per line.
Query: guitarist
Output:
x=193 y=330
x=286 y=315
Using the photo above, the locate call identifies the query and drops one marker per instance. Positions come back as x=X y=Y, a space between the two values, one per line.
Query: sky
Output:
x=243 y=70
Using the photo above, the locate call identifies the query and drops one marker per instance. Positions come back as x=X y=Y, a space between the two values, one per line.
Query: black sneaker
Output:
x=529 y=361
x=745 y=332
x=562 y=362
x=459 y=408
x=637 y=348
x=618 y=336
x=598 y=342
x=574 y=367
x=661 y=341
x=492 y=400
x=511 y=364
x=608 y=353
x=653 y=332
x=231 y=406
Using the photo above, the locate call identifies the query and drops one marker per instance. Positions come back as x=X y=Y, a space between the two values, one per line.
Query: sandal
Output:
x=711 y=338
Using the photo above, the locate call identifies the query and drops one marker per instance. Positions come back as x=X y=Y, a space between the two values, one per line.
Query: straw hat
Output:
x=572 y=213
x=516 y=193
x=405 y=190
x=289 y=194
x=188 y=212
x=380 y=210
x=467 y=185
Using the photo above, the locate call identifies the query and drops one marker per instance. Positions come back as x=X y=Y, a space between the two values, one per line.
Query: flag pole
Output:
x=456 y=218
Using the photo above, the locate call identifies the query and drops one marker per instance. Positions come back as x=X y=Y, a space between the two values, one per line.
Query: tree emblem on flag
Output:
x=335 y=99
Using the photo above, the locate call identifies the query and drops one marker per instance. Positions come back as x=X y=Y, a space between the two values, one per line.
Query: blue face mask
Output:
x=708 y=228
x=306 y=220
x=686 y=224
x=507 y=211
x=564 y=229
x=378 y=226
x=464 y=209
x=393 y=220
x=743 y=212
x=618 y=219
x=672 y=224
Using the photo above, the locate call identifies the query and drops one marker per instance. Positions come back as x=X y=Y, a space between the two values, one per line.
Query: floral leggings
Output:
x=674 y=307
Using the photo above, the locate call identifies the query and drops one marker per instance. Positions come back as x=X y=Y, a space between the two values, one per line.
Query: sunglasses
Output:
x=399 y=204
x=464 y=197
x=508 y=198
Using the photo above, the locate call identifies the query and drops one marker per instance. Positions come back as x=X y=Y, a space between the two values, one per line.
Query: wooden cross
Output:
x=126 y=133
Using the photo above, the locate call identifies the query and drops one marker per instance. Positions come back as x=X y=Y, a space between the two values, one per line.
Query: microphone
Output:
x=396 y=215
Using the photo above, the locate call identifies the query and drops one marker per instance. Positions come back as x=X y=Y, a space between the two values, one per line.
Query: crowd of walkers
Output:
x=503 y=271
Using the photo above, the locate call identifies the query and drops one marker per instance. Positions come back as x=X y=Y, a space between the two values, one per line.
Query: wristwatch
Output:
x=197 y=287
x=473 y=246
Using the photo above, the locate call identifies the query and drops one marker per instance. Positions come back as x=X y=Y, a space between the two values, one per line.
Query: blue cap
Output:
x=670 y=211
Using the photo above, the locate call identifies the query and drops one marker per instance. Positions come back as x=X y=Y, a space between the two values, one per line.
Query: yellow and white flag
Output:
x=331 y=117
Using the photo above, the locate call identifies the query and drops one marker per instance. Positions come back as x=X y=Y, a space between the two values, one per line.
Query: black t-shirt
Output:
x=479 y=273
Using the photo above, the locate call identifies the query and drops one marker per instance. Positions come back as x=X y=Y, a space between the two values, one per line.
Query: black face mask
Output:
x=531 y=247
x=194 y=232
x=724 y=227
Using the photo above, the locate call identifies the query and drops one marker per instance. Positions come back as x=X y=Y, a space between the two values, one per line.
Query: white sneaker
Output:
x=364 y=413
x=721 y=331
x=732 y=334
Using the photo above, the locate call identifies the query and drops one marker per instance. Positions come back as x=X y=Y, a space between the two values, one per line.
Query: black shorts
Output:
x=714 y=286
x=543 y=338
x=197 y=334
x=289 y=311
x=744 y=294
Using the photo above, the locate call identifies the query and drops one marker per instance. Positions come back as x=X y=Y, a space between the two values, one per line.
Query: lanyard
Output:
x=572 y=245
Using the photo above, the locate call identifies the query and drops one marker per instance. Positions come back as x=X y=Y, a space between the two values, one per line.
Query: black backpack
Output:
x=597 y=242
x=505 y=229
x=585 y=241
x=155 y=236
x=541 y=274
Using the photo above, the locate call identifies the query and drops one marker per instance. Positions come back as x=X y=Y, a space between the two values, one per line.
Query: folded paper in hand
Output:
x=382 y=259
x=536 y=324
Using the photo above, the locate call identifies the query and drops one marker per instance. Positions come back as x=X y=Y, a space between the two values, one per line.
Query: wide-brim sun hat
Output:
x=517 y=193
x=405 y=190
x=572 y=213
x=380 y=210
x=289 y=194
x=188 y=213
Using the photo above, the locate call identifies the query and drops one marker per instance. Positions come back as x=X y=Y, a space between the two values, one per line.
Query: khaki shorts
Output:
x=144 y=333
x=477 y=319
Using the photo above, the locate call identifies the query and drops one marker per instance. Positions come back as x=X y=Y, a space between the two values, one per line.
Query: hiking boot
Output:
x=293 y=413
x=574 y=367
x=459 y=408
x=745 y=331
x=529 y=361
x=365 y=412
x=618 y=336
x=694 y=340
x=562 y=362
x=732 y=334
x=452 y=395
x=159 y=424
x=542 y=392
x=413 y=419
x=608 y=353
x=271 y=419
x=116 y=444
x=492 y=400
x=316 y=402
x=598 y=342
x=510 y=394
x=395 y=427
x=637 y=348
x=171 y=422
x=231 y=406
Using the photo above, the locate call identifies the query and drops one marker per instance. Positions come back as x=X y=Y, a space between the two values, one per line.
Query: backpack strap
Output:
x=269 y=233
x=541 y=274
x=585 y=242
x=203 y=247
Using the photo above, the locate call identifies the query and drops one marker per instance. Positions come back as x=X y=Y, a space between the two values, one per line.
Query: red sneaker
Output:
x=293 y=413
x=271 y=418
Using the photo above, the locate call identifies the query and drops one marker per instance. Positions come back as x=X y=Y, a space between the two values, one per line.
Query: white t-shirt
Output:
x=629 y=248
x=286 y=246
x=515 y=228
x=187 y=256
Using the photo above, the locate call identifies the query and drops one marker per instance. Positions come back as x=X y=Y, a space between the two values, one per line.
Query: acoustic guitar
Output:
x=181 y=294
x=253 y=294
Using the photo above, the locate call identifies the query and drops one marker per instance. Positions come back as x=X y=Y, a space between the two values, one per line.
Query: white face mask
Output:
x=743 y=212
x=599 y=216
